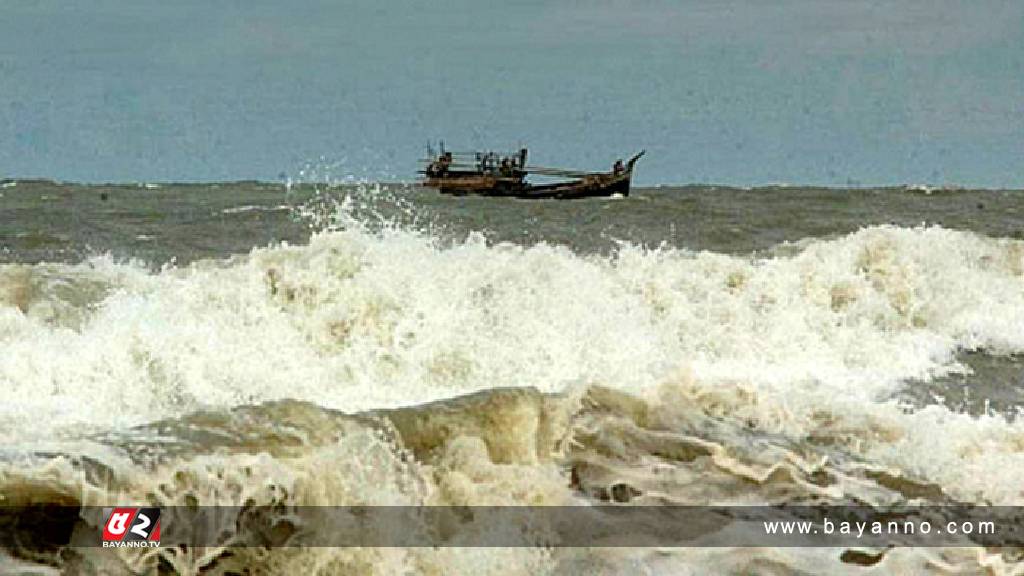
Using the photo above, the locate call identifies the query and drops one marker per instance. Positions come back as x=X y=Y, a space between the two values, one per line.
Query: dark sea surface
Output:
x=360 y=343
x=46 y=221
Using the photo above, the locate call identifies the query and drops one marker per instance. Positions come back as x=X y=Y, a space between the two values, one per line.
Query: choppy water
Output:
x=697 y=345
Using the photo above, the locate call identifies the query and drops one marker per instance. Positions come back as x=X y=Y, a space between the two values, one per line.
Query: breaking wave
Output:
x=750 y=377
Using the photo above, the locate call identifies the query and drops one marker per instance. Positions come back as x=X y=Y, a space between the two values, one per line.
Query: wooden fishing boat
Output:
x=491 y=174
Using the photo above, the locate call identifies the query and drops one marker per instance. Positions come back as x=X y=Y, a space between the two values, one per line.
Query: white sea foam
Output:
x=253 y=208
x=811 y=343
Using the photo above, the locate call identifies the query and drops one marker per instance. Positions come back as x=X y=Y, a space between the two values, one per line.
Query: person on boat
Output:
x=443 y=163
x=618 y=168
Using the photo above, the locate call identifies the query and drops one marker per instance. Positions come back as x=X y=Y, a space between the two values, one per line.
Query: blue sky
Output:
x=792 y=91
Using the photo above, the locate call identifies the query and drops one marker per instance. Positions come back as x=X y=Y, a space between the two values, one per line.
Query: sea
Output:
x=354 y=343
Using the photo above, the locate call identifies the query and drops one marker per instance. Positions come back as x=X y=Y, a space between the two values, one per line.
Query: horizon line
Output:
x=928 y=187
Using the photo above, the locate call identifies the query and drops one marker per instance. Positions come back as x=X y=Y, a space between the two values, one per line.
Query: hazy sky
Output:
x=790 y=91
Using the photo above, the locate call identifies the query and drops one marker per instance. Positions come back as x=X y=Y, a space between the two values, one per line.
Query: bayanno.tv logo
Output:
x=131 y=527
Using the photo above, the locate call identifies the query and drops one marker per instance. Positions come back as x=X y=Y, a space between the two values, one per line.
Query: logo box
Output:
x=131 y=524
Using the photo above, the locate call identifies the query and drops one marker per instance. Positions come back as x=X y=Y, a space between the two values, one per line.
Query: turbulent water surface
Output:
x=237 y=343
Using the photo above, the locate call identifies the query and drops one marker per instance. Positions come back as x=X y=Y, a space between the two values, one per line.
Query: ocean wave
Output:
x=810 y=345
x=502 y=447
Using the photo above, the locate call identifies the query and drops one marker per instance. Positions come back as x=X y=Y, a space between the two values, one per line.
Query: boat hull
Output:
x=597 y=187
x=593 y=185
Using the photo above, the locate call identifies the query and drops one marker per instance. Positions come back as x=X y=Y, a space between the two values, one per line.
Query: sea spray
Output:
x=681 y=376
